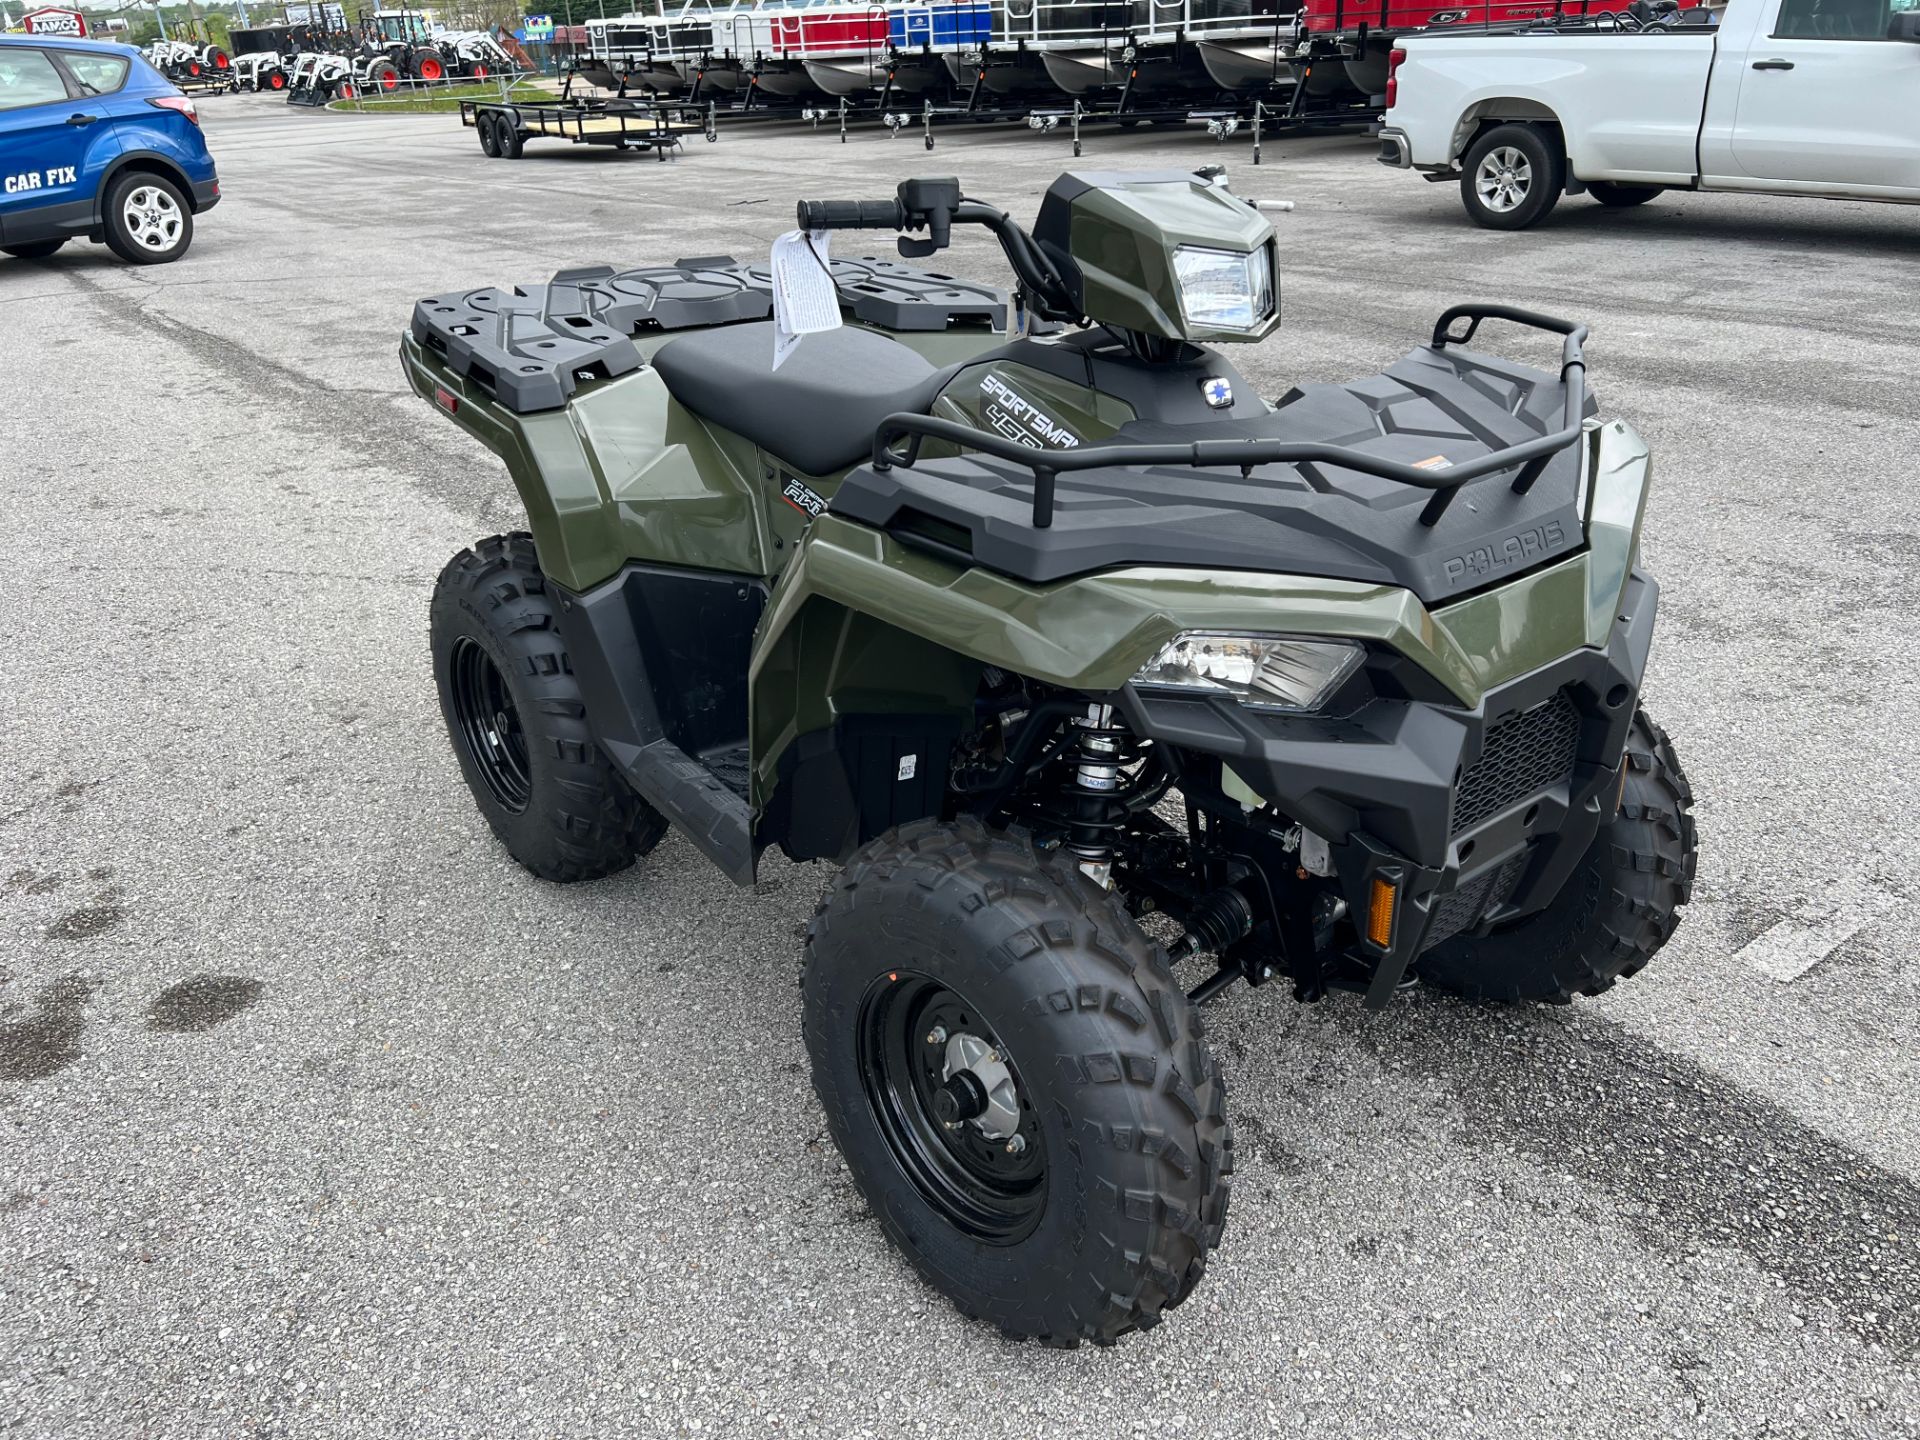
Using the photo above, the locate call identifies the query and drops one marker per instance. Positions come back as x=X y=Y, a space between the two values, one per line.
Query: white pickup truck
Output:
x=1790 y=97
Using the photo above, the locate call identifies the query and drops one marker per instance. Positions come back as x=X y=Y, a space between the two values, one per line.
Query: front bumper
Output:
x=1473 y=814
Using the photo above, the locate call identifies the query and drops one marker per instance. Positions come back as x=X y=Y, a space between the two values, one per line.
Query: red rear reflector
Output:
x=179 y=103
x=1395 y=59
x=446 y=400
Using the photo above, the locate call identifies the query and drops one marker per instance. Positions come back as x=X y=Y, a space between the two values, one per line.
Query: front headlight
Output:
x=1266 y=672
x=1224 y=289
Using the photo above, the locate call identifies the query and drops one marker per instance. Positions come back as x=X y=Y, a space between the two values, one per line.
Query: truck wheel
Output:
x=147 y=220
x=1018 y=1084
x=1512 y=176
x=489 y=137
x=1620 y=905
x=33 y=250
x=508 y=137
x=518 y=723
x=1619 y=197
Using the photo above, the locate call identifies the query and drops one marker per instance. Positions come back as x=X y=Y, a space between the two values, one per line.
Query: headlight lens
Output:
x=1267 y=672
x=1224 y=289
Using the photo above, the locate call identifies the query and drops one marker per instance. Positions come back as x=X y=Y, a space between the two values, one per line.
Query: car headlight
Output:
x=1224 y=289
x=1266 y=672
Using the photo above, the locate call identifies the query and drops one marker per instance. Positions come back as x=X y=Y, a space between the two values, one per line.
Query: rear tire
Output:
x=507 y=135
x=1104 y=1217
x=147 y=219
x=1512 y=177
x=1621 y=197
x=33 y=249
x=489 y=137
x=1620 y=905
x=518 y=723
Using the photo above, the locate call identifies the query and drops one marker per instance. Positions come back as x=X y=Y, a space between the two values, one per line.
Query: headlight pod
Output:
x=1264 y=672
x=1224 y=289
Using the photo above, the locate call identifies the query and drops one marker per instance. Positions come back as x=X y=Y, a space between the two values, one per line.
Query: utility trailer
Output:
x=505 y=126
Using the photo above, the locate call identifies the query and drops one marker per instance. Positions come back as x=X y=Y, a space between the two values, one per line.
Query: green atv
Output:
x=1083 y=662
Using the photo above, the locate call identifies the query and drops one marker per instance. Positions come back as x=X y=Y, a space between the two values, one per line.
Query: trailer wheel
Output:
x=1512 y=177
x=511 y=142
x=489 y=141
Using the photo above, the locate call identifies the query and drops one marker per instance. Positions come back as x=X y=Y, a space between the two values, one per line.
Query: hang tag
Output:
x=805 y=299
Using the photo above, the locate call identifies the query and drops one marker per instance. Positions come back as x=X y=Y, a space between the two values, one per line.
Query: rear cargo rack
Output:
x=1531 y=456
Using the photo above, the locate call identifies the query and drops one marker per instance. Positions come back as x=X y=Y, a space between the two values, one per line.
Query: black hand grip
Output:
x=850 y=215
x=1773 y=65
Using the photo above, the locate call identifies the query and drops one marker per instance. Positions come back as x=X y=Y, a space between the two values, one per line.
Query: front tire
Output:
x=1621 y=197
x=1082 y=1201
x=1512 y=177
x=148 y=219
x=518 y=723
x=1620 y=905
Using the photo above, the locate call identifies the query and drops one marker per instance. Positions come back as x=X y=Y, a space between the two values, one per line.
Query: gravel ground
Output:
x=321 y=1118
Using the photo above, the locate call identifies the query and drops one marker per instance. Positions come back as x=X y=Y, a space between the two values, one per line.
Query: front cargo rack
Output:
x=1531 y=456
x=531 y=346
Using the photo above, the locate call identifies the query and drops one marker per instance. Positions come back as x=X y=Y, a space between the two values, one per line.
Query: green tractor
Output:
x=1087 y=667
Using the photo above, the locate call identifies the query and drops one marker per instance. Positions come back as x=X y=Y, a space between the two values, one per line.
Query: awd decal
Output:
x=802 y=499
x=1514 y=550
x=40 y=179
x=1018 y=418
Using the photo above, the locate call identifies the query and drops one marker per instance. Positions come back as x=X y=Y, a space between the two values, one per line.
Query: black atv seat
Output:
x=819 y=410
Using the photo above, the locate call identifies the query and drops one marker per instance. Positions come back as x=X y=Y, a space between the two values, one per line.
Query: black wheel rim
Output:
x=992 y=1189
x=489 y=724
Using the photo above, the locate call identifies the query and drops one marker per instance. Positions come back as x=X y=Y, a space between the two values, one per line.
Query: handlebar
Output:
x=851 y=215
x=936 y=206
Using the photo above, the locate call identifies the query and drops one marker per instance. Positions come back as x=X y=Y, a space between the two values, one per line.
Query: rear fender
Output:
x=623 y=472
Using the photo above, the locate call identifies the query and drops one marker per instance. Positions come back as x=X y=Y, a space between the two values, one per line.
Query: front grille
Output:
x=1462 y=909
x=1524 y=755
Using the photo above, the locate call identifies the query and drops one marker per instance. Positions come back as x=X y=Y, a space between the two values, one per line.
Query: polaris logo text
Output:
x=39 y=180
x=1514 y=550
x=1018 y=418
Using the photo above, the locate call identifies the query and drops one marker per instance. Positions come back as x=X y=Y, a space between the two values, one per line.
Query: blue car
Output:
x=96 y=143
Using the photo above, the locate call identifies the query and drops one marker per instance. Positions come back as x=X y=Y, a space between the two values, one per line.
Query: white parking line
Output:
x=1793 y=946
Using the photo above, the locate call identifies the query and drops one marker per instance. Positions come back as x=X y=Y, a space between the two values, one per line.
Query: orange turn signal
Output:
x=1381 y=895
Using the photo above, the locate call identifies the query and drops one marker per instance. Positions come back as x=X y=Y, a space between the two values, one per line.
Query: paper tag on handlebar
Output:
x=805 y=299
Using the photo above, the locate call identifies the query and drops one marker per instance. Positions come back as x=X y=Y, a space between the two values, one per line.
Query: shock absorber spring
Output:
x=1094 y=802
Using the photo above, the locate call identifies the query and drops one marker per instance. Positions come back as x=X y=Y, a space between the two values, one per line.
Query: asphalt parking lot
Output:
x=321 y=1118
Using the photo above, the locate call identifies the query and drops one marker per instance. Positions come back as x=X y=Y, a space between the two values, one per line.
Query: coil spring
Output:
x=1094 y=798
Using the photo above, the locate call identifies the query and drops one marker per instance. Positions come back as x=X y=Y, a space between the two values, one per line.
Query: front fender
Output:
x=862 y=623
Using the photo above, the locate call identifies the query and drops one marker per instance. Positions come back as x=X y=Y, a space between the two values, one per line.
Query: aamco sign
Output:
x=55 y=22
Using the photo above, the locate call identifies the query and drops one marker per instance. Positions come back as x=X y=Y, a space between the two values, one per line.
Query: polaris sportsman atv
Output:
x=1083 y=662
